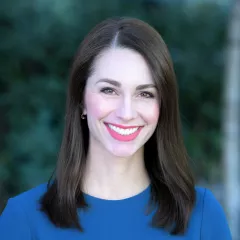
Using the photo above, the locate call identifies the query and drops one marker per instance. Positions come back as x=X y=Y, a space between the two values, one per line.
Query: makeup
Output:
x=123 y=133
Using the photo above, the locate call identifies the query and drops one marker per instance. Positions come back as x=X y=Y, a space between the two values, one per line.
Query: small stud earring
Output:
x=83 y=116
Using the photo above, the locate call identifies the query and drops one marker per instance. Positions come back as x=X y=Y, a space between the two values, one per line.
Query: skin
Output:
x=115 y=169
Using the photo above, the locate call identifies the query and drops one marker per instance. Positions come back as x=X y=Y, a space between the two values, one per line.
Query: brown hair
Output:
x=166 y=160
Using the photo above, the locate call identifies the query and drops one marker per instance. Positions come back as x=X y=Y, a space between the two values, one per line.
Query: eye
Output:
x=146 y=95
x=108 y=90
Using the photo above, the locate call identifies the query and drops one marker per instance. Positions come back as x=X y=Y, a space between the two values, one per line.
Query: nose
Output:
x=126 y=109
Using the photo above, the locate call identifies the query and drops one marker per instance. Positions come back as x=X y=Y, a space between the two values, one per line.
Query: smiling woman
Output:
x=120 y=99
x=122 y=171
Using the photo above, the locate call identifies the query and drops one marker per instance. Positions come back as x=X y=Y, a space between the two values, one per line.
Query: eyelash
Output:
x=150 y=95
x=106 y=90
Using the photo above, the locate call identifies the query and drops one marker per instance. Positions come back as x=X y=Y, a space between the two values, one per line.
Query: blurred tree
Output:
x=231 y=120
x=38 y=41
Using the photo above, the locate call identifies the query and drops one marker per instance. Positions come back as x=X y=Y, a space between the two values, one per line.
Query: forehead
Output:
x=123 y=65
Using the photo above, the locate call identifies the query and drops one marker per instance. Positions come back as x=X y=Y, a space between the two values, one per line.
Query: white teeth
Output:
x=123 y=131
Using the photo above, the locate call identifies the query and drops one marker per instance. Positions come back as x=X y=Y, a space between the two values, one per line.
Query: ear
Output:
x=84 y=111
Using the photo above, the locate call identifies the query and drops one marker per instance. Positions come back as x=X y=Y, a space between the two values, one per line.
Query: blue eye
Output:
x=147 y=95
x=108 y=90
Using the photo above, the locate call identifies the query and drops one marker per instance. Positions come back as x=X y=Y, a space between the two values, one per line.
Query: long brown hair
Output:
x=166 y=160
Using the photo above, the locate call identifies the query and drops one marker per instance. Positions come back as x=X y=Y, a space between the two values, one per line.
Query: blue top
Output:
x=109 y=219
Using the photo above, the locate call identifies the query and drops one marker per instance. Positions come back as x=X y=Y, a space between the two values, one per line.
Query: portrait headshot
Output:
x=123 y=171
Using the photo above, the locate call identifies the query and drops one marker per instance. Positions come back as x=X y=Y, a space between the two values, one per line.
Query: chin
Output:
x=122 y=151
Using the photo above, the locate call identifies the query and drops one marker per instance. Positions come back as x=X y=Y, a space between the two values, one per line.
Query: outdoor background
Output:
x=37 y=44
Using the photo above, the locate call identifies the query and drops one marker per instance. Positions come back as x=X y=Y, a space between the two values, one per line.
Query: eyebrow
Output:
x=118 y=84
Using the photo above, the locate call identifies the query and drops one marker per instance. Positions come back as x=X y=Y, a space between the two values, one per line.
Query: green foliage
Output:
x=39 y=39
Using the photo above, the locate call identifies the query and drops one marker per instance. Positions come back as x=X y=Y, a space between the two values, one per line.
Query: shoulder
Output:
x=213 y=221
x=208 y=203
x=30 y=197
x=205 y=196
x=33 y=193
x=21 y=214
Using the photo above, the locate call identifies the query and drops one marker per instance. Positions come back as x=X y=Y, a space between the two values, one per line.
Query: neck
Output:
x=111 y=177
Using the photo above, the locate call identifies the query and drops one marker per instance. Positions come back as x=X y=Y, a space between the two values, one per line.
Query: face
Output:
x=121 y=102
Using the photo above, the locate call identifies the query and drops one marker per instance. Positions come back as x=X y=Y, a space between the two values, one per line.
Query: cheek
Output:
x=150 y=112
x=95 y=105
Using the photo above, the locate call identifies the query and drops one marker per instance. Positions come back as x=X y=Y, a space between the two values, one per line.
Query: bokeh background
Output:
x=38 y=41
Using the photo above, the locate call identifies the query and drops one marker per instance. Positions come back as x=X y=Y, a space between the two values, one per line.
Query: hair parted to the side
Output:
x=166 y=160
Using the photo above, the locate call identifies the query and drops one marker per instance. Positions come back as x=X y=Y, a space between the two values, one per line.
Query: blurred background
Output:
x=37 y=44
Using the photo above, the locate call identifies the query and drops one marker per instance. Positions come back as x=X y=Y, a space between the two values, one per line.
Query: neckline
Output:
x=137 y=196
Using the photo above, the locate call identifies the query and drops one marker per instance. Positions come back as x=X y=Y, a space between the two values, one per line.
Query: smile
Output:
x=123 y=133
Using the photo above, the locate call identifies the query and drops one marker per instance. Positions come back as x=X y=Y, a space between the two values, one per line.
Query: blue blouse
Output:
x=110 y=219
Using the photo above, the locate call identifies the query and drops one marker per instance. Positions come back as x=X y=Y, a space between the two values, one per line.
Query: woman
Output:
x=122 y=171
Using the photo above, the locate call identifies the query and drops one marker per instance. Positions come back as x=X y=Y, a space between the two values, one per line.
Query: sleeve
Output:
x=214 y=222
x=13 y=222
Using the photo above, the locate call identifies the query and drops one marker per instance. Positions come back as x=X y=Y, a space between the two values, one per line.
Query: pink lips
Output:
x=123 y=138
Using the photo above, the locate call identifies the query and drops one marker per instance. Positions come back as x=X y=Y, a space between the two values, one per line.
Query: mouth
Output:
x=123 y=133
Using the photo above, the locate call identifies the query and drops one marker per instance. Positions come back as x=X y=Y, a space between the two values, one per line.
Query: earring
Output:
x=83 y=116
